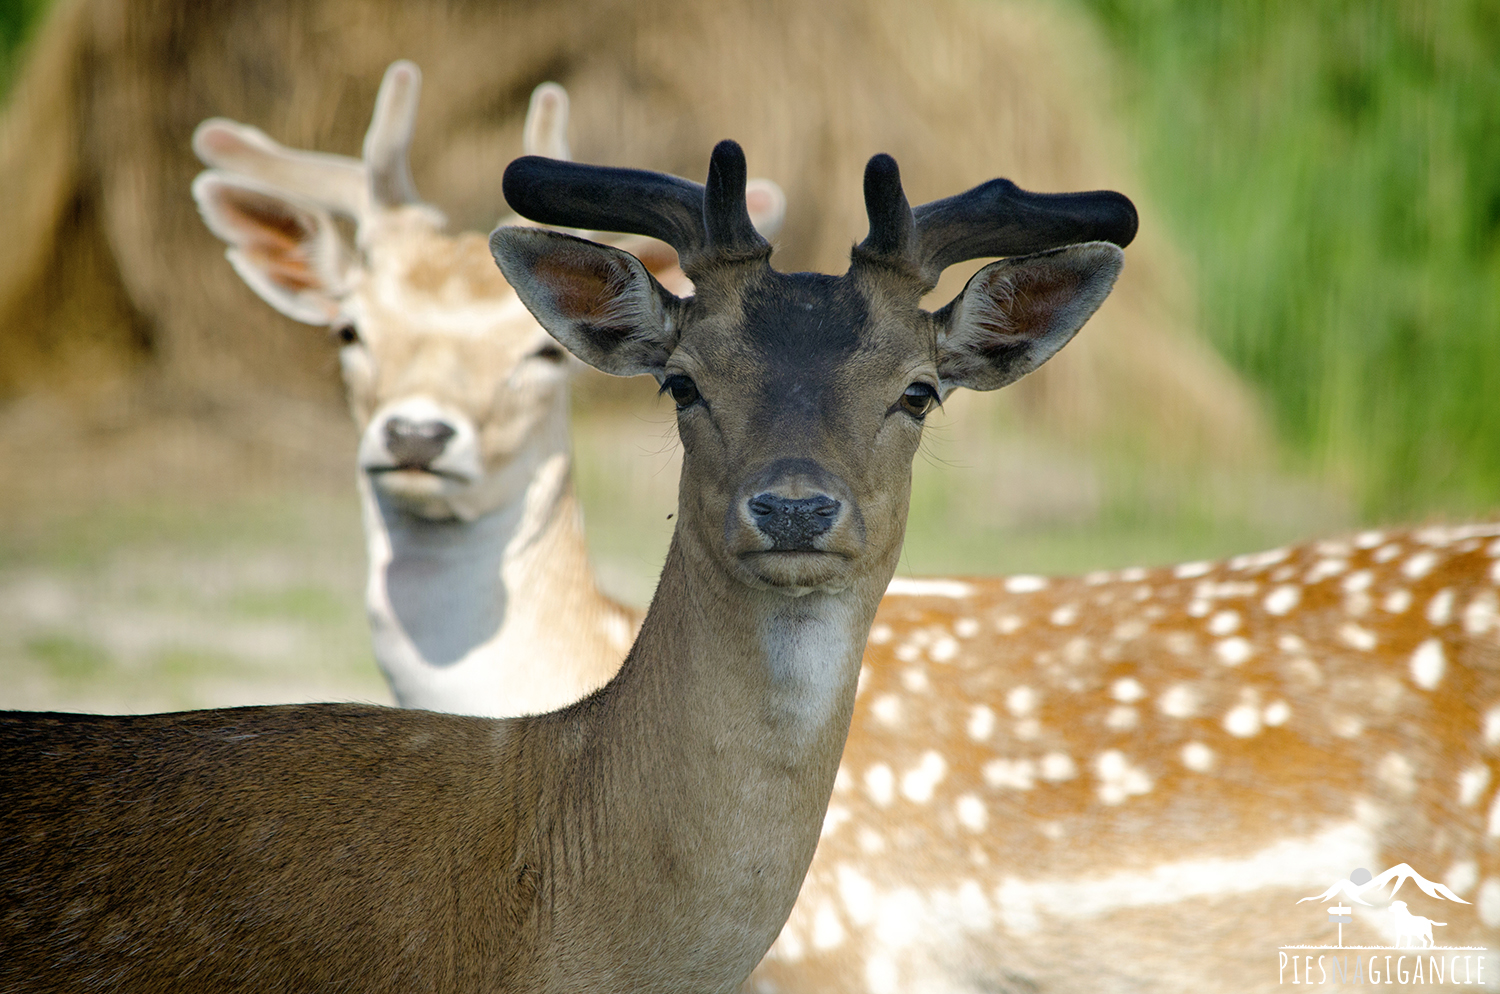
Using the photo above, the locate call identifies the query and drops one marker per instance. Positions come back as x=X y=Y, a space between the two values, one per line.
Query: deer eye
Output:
x=918 y=399
x=345 y=334
x=683 y=390
x=551 y=352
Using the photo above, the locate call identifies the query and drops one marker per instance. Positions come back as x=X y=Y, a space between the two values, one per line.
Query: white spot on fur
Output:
x=880 y=784
x=1291 y=643
x=918 y=784
x=1495 y=572
x=899 y=919
x=1199 y=608
x=1346 y=726
x=1057 y=767
x=1480 y=615
x=1283 y=599
x=1427 y=664
x=1118 y=780
x=1188 y=571
x=1243 y=721
x=1133 y=574
x=981 y=722
x=1179 y=701
x=1494 y=826
x=1359 y=581
x=1397 y=773
x=1127 y=690
x=1197 y=757
x=1064 y=615
x=1130 y=629
x=1258 y=560
x=1368 y=540
x=1397 y=601
x=1025 y=584
x=880 y=975
x=1015 y=774
x=1323 y=569
x=1462 y=876
x=886 y=709
x=1471 y=784
x=1356 y=637
x=944 y=649
x=914 y=679
x=966 y=628
x=1096 y=578
x=1233 y=651
x=1419 y=565
x=972 y=813
x=905 y=586
x=1489 y=902
x=1008 y=624
x=1277 y=713
x=827 y=931
x=842 y=781
x=881 y=634
x=1021 y=701
x=1121 y=718
x=1224 y=623
x=1386 y=553
x=836 y=815
x=1440 y=608
x=1028 y=729
x=908 y=652
x=870 y=841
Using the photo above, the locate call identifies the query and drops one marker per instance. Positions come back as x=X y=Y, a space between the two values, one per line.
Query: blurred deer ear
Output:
x=598 y=301
x=1016 y=314
x=767 y=206
x=289 y=252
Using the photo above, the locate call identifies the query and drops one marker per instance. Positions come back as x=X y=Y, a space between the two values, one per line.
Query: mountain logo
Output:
x=1412 y=934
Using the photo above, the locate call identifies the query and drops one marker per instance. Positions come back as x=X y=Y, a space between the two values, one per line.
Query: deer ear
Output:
x=289 y=252
x=1016 y=314
x=598 y=301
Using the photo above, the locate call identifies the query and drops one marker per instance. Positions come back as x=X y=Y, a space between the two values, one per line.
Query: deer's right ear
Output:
x=288 y=251
x=598 y=301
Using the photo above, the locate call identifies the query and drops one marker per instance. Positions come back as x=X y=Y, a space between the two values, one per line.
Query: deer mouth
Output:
x=416 y=482
x=797 y=571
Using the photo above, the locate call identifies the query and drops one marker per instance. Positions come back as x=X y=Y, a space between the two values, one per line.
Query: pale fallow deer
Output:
x=653 y=836
x=480 y=595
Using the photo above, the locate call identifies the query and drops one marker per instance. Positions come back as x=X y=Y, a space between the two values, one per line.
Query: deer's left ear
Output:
x=598 y=301
x=1015 y=314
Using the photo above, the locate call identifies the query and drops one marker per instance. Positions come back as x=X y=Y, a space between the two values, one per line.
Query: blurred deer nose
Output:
x=792 y=524
x=415 y=444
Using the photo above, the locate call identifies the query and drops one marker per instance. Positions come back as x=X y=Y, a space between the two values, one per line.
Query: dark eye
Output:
x=918 y=399
x=683 y=390
x=552 y=353
x=345 y=334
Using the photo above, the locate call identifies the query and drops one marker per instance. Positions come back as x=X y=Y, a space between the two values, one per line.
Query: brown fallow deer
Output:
x=653 y=836
x=480 y=595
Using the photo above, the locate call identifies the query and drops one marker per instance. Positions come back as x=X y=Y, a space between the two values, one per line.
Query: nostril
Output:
x=415 y=444
x=793 y=524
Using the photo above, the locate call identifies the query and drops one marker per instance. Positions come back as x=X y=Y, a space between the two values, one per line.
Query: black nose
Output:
x=793 y=524
x=415 y=444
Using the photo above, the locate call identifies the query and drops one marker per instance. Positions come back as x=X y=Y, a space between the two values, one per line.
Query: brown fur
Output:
x=97 y=138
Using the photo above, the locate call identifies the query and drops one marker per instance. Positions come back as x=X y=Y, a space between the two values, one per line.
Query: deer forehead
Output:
x=429 y=284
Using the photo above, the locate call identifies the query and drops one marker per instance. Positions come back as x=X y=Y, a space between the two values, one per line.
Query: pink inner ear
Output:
x=272 y=235
x=584 y=287
x=1026 y=301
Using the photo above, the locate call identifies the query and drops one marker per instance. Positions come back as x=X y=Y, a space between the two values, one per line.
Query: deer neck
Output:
x=498 y=614
x=722 y=736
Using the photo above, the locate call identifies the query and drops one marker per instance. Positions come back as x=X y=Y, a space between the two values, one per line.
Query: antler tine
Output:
x=999 y=218
x=996 y=218
x=389 y=138
x=546 y=131
x=335 y=182
x=726 y=216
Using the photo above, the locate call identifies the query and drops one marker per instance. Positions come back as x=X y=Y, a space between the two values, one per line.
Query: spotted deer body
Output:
x=480 y=595
x=653 y=836
x=1126 y=781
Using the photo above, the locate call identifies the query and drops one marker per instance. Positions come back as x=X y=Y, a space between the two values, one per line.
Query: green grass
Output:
x=1333 y=169
x=66 y=656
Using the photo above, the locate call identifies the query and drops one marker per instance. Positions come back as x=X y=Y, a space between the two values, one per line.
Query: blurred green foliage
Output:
x=17 y=17
x=1333 y=168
